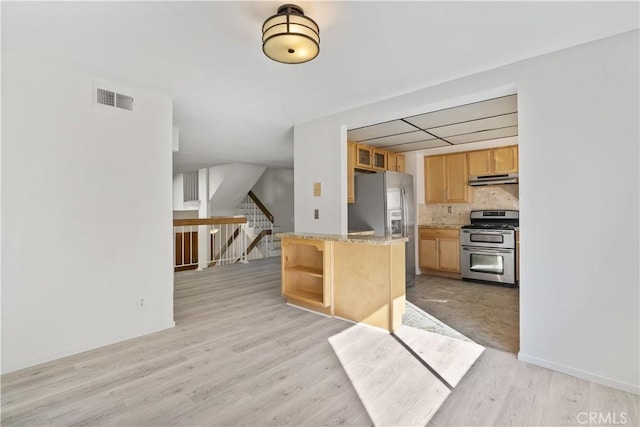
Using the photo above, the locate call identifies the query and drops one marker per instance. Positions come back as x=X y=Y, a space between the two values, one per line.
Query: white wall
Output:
x=320 y=155
x=178 y=192
x=578 y=118
x=86 y=215
x=229 y=184
x=275 y=190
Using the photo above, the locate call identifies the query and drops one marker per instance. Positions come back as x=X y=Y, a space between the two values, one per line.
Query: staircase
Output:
x=260 y=229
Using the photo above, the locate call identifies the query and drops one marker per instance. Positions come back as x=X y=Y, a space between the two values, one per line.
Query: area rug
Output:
x=402 y=380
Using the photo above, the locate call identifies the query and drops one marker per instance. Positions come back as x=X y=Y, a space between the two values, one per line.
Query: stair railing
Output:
x=227 y=242
x=260 y=219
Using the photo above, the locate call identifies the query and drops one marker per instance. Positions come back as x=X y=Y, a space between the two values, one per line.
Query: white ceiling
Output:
x=231 y=103
x=486 y=120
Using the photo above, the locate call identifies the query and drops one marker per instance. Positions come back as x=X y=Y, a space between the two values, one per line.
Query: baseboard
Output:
x=294 y=305
x=450 y=275
x=73 y=350
x=609 y=382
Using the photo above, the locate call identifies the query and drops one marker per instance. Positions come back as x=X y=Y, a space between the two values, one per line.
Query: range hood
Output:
x=505 y=178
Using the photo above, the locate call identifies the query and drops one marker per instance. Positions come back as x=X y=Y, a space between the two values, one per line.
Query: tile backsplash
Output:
x=486 y=197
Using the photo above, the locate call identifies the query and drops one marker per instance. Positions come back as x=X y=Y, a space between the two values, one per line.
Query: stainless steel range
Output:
x=488 y=247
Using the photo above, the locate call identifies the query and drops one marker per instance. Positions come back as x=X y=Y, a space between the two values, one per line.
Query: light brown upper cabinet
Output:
x=395 y=162
x=505 y=159
x=364 y=156
x=493 y=161
x=392 y=163
x=379 y=159
x=400 y=163
x=351 y=163
x=445 y=178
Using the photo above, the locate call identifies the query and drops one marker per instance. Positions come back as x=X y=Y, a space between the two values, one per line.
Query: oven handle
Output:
x=505 y=232
x=490 y=250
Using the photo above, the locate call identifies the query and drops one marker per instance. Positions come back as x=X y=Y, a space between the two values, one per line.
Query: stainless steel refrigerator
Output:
x=385 y=203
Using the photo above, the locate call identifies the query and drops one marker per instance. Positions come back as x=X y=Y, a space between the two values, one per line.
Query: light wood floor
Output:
x=239 y=356
x=488 y=314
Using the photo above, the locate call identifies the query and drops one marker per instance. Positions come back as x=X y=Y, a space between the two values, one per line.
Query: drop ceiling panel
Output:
x=463 y=113
x=420 y=145
x=490 y=123
x=399 y=139
x=379 y=130
x=484 y=135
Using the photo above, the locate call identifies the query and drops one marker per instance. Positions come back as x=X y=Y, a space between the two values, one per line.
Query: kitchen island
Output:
x=357 y=278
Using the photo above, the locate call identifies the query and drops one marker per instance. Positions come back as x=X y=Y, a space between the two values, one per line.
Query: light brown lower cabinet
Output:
x=439 y=251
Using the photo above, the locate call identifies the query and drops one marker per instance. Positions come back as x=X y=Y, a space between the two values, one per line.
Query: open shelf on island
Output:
x=311 y=271
x=309 y=297
x=303 y=263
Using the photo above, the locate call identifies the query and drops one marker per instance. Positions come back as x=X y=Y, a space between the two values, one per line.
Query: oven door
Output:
x=489 y=264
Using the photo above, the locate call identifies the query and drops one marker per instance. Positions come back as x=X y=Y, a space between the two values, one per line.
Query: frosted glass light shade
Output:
x=290 y=37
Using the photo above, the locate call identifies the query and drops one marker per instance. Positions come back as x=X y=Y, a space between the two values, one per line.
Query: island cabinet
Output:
x=369 y=284
x=357 y=278
x=439 y=251
x=446 y=178
x=306 y=272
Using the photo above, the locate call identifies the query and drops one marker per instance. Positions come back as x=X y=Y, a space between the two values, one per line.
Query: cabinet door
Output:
x=434 y=179
x=391 y=162
x=505 y=159
x=456 y=178
x=400 y=163
x=479 y=162
x=363 y=157
x=351 y=160
x=449 y=255
x=379 y=159
x=428 y=255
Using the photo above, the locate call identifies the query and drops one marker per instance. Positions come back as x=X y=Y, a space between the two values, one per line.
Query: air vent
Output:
x=106 y=97
x=124 y=101
x=114 y=99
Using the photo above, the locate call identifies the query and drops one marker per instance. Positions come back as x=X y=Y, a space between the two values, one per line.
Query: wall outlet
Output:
x=449 y=209
x=316 y=213
x=141 y=303
x=317 y=189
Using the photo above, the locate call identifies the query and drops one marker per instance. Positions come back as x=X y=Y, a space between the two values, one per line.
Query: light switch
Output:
x=317 y=189
x=316 y=213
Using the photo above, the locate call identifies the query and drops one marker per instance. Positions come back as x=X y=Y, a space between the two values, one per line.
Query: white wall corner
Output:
x=176 y=139
x=203 y=212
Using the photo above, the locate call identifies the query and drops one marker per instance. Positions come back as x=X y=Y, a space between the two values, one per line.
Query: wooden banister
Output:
x=255 y=242
x=262 y=207
x=210 y=221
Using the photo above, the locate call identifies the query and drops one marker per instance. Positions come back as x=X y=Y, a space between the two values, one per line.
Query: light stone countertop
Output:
x=366 y=240
x=361 y=233
x=442 y=226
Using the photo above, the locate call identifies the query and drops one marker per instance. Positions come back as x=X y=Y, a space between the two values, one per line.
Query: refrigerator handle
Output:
x=403 y=202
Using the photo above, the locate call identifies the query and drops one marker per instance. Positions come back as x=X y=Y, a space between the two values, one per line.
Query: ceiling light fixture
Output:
x=290 y=37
